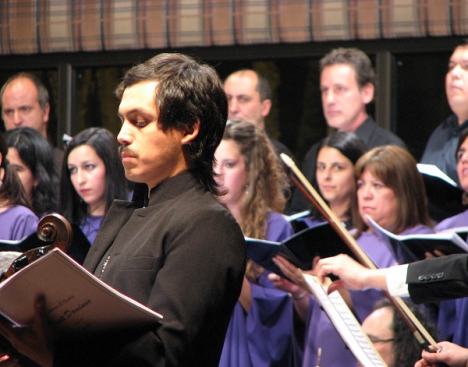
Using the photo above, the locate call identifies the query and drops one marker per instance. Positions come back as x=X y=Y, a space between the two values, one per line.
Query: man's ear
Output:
x=266 y=107
x=367 y=93
x=46 y=113
x=190 y=132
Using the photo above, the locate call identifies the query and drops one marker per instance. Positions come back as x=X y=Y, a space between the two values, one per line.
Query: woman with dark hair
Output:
x=33 y=158
x=335 y=175
x=92 y=177
x=390 y=190
x=16 y=218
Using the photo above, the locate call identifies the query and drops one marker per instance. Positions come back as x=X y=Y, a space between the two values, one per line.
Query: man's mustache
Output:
x=126 y=150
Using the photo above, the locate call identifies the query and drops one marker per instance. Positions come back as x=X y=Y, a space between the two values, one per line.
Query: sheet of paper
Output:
x=345 y=324
x=75 y=299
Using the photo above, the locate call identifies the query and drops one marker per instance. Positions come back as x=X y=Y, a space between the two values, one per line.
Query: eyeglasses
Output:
x=374 y=339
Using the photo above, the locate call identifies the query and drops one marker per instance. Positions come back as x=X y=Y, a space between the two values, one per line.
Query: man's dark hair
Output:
x=406 y=349
x=355 y=58
x=463 y=43
x=263 y=87
x=187 y=92
x=42 y=93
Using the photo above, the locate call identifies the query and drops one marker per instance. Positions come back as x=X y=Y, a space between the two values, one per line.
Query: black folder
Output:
x=300 y=249
x=413 y=247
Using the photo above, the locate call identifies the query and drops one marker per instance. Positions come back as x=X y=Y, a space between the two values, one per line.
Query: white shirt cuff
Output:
x=396 y=280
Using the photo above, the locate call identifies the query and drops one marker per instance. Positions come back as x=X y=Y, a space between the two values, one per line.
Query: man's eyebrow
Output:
x=136 y=110
x=452 y=61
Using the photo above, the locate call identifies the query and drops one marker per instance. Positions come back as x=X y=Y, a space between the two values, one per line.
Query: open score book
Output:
x=76 y=300
x=345 y=323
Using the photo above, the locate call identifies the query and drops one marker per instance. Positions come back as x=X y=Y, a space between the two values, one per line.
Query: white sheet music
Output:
x=346 y=324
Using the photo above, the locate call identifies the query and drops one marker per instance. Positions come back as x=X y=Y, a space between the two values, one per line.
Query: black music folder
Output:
x=300 y=249
x=444 y=195
x=412 y=247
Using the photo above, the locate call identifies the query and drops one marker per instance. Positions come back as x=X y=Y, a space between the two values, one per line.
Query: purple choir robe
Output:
x=17 y=223
x=262 y=337
x=90 y=226
x=453 y=314
x=320 y=332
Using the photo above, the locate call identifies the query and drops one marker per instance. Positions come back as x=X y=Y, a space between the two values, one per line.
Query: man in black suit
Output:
x=161 y=248
x=347 y=83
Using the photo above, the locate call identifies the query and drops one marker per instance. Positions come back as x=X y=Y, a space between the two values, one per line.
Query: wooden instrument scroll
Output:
x=53 y=231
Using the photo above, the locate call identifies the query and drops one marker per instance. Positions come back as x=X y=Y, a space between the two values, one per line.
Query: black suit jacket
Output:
x=438 y=279
x=181 y=254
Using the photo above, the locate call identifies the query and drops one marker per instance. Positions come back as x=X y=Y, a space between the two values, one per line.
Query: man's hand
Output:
x=451 y=354
x=33 y=341
x=353 y=276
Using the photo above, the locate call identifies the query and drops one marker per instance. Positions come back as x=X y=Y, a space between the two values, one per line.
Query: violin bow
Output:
x=297 y=177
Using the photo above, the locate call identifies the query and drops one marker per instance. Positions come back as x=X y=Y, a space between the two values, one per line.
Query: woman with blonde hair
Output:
x=254 y=181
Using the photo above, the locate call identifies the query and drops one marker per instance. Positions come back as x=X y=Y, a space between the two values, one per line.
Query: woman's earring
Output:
x=2 y=172
x=465 y=198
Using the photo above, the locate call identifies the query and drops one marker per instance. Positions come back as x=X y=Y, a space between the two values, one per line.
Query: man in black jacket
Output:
x=347 y=83
x=173 y=248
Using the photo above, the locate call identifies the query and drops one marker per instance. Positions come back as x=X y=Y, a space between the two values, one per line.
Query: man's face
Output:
x=343 y=102
x=20 y=107
x=244 y=100
x=456 y=83
x=149 y=154
x=378 y=326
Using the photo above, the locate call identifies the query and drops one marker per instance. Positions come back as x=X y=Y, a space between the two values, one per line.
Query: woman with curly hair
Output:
x=254 y=181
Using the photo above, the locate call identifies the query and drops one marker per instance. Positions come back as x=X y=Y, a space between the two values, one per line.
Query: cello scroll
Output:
x=54 y=231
